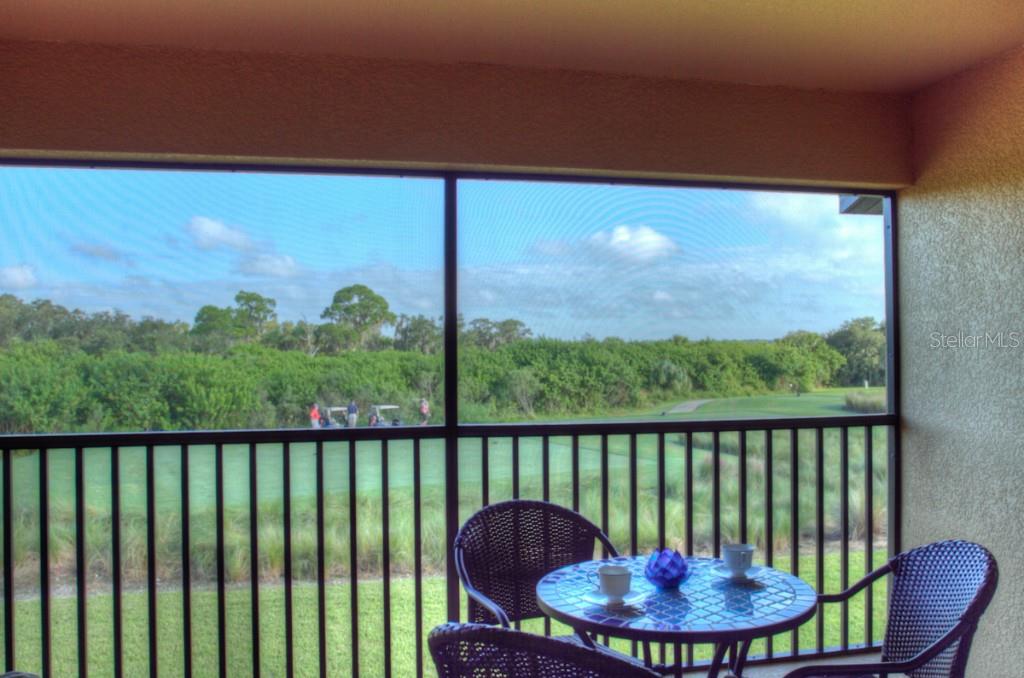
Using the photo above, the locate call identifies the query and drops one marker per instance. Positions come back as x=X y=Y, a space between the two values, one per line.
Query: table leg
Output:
x=738 y=660
x=587 y=642
x=716 y=661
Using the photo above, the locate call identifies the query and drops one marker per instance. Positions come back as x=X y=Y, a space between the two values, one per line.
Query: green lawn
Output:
x=205 y=643
x=825 y=402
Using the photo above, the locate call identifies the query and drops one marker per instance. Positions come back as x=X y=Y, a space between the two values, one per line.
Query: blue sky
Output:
x=567 y=259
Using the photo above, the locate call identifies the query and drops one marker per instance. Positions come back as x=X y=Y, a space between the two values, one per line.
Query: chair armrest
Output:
x=607 y=544
x=478 y=597
x=856 y=588
x=488 y=604
x=906 y=666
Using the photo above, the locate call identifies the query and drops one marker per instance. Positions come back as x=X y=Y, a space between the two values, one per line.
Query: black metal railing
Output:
x=325 y=551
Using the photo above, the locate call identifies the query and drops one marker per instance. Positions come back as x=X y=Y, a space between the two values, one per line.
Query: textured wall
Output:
x=962 y=268
x=93 y=100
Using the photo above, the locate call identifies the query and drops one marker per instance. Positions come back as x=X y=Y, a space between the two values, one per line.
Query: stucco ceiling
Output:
x=867 y=45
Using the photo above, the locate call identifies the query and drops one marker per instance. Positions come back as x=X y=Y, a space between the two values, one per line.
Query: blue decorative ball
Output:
x=666 y=569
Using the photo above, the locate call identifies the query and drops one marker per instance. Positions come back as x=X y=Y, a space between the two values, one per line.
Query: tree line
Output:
x=240 y=366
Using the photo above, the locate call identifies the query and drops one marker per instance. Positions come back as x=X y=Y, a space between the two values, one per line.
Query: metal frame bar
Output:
x=222 y=615
x=186 y=564
x=299 y=435
x=716 y=494
x=893 y=379
x=844 y=530
x=869 y=530
x=81 y=576
x=353 y=563
x=286 y=514
x=115 y=546
x=151 y=591
x=769 y=524
x=743 y=486
x=604 y=490
x=45 y=617
x=9 y=656
x=451 y=389
x=794 y=520
x=819 y=536
x=321 y=573
x=254 y=563
x=417 y=566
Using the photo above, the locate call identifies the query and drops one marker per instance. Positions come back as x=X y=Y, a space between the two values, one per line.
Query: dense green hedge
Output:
x=47 y=386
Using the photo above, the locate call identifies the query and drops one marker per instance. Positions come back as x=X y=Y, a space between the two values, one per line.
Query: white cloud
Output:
x=98 y=251
x=210 y=234
x=661 y=295
x=638 y=244
x=273 y=265
x=810 y=223
x=17 y=277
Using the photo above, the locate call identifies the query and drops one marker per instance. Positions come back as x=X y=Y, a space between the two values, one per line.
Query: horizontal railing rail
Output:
x=227 y=436
x=323 y=550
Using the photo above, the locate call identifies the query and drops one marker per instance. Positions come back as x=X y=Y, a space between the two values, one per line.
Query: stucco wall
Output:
x=98 y=100
x=962 y=268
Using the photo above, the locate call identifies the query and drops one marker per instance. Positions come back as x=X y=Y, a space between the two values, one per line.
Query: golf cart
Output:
x=380 y=414
x=336 y=416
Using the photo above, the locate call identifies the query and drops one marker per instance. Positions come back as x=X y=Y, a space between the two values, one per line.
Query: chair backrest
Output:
x=504 y=549
x=934 y=588
x=484 y=651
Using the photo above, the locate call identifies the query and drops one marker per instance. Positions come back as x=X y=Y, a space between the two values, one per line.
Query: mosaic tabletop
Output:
x=705 y=607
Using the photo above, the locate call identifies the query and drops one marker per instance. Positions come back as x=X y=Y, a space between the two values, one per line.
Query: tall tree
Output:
x=418 y=333
x=255 y=312
x=361 y=310
x=823 y=360
x=491 y=334
x=862 y=342
x=215 y=329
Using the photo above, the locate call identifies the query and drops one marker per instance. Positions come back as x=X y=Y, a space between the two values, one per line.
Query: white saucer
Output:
x=598 y=598
x=725 y=573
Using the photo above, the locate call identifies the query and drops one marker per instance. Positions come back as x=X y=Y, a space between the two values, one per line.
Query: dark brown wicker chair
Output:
x=939 y=592
x=482 y=651
x=504 y=549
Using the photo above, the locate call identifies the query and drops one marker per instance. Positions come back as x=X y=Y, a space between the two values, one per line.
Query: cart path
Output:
x=687 y=406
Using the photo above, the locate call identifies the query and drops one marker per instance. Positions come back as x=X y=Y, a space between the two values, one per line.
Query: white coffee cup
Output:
x=738 y=558
x=614 y=582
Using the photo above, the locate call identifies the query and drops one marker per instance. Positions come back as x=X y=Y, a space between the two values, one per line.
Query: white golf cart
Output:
x=384 y=415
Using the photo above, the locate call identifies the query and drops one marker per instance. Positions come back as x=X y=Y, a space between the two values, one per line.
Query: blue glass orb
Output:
x=666 y=569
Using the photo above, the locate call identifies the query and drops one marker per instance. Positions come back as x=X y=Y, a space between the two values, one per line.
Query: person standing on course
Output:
x=424 y=411
x=314 y=416
x=353 y=414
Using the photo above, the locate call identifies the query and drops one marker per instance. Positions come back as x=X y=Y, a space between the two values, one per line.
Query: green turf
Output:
x=826 y=402
x=371 y=644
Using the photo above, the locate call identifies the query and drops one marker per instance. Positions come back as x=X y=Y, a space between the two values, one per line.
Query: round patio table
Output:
x=705 y=609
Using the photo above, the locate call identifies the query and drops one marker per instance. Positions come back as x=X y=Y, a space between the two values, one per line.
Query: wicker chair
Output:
x=939 y=592
x=483 y=651
x=504 y=549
